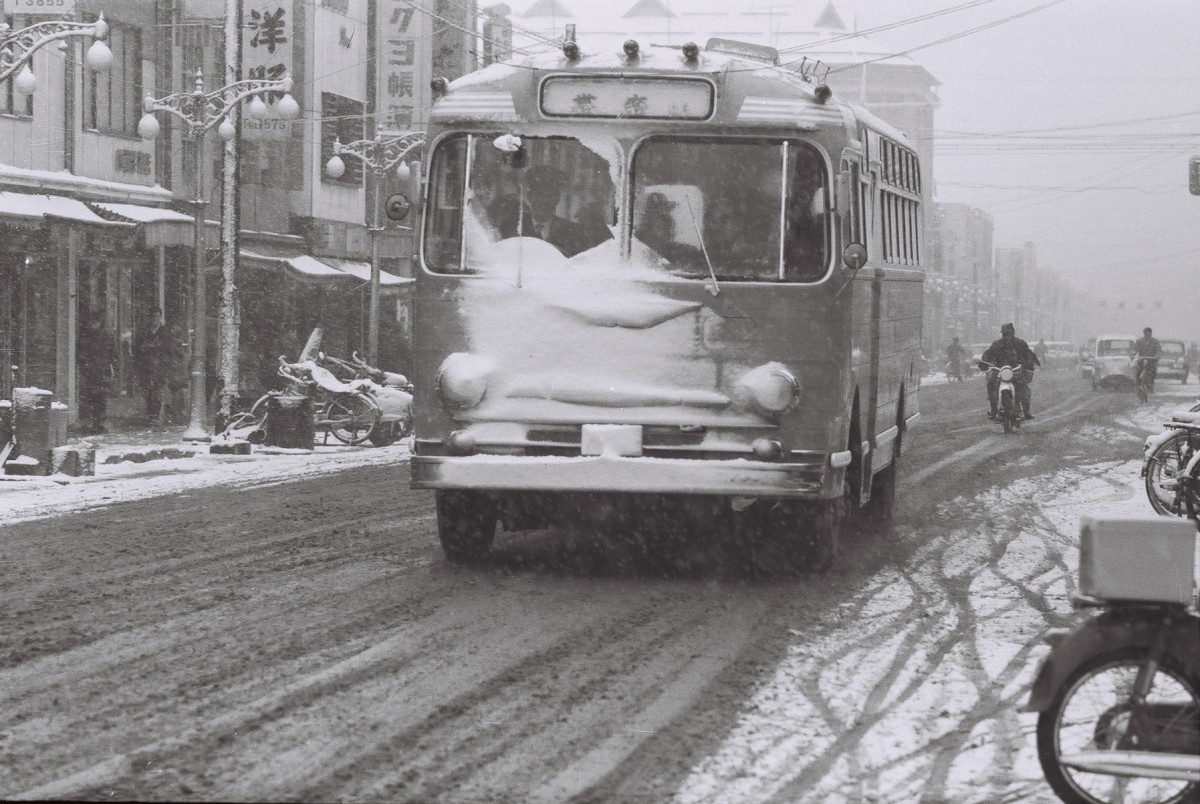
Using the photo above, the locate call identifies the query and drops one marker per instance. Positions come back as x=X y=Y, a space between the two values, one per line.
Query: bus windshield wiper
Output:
x=714 y=288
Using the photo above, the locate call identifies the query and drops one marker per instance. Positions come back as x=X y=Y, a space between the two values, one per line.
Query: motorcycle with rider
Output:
x=1009 y=351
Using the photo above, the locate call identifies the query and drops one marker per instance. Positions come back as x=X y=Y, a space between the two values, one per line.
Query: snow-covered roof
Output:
x=27 y=205
x=362 y=270
x=63 y=181
x=140 y=214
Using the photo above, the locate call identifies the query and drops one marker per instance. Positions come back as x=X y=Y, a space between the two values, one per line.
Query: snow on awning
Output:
x=36 y=209
x=161 y=227
x=362 y=270
x=301 y=265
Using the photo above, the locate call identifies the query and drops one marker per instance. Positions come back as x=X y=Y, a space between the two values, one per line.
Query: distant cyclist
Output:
x=1146 y=350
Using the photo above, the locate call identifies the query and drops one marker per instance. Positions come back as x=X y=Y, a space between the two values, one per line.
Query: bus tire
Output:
x=466 y=525
x=793 y=535
x=818 y=541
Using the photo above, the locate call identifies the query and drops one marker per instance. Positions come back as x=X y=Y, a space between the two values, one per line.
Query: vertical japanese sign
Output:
x=267 y=44
x=405 y=32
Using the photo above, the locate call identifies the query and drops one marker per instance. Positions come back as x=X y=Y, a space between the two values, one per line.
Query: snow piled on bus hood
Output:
x=592 y=323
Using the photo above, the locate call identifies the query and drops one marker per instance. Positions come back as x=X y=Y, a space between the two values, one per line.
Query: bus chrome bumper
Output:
x=737 y=477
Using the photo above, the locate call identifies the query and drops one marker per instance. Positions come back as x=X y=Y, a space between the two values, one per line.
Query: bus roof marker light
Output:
x=822 y=93
x=570 y=49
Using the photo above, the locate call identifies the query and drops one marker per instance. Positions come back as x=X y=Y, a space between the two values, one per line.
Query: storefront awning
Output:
x=362 y=270
x=300 y=265
x=159 y=226
x=35 y=209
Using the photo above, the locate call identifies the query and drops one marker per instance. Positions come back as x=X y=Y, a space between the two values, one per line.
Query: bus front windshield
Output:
x=551 y=189
x=730 y=208
x=738 y=209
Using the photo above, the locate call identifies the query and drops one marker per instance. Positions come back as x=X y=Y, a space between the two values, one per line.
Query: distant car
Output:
x=1112 y=362
x=1172 y=364
x=1060 y=355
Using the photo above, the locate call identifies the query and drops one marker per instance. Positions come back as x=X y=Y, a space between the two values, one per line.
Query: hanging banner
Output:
x=405 y=54
x=268 y=34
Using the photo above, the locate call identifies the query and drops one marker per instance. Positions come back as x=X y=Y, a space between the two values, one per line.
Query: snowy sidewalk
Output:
x=133 y=464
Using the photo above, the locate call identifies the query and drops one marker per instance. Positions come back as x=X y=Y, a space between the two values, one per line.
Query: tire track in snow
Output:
x=839 y=760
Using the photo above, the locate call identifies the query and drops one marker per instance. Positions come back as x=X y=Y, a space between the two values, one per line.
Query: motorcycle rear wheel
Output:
x=1165 y=465
x=1092 y=711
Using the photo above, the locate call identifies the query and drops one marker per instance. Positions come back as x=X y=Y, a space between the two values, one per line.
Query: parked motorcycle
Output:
x=1009 y=411
x=1118 y=696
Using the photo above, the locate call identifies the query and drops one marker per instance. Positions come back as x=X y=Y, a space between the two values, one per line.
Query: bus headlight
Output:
x=462 y=380
x=771 y=387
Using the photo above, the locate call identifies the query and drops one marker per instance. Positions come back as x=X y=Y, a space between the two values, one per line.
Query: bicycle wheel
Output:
x=1163 y=469
x=351 y=417
x=250 y=423
x=1094 y=712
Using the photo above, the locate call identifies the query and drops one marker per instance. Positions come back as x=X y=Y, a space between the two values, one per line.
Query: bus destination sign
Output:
x=625 y=97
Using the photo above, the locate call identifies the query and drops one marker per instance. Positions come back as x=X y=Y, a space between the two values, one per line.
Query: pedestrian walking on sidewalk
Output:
x=94 y=364
x=156 y=356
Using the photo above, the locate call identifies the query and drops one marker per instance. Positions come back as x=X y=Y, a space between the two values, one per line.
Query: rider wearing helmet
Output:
x=1009 y=351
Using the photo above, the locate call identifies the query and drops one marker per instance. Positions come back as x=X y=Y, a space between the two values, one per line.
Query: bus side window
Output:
x=806 y=219
x=851 y=212
x=443 y=231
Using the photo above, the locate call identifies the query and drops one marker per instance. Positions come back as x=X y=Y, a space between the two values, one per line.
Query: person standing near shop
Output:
x=155 y=356
x=94 y=364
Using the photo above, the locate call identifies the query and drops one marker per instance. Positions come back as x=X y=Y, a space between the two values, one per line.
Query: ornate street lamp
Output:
x=17 y=48
x=379 y=156
x=200 y=112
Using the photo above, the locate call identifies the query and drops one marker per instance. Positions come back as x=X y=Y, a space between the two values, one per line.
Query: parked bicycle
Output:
x=347 y=411
x=1170 y=466
x=391 y=391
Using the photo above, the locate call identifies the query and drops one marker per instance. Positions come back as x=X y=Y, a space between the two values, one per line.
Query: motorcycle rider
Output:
x=955 y=354
x=1009 y=351
x=1146 y=350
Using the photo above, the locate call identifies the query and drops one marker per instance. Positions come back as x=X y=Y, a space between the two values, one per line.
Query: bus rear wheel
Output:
x=881 y=508
x=466 y=525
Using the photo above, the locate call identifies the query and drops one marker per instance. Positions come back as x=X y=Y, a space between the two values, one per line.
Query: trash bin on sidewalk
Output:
x=289 y=422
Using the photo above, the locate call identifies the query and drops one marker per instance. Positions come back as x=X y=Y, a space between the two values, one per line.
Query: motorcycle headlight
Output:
x=462 y=380
x=1006 y=374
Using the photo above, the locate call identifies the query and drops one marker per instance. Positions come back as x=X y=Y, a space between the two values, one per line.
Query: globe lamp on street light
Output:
x=335 y=168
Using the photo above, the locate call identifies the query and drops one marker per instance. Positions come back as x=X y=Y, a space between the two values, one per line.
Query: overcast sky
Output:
x=1116 y=84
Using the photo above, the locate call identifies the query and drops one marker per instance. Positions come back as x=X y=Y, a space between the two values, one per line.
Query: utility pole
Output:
x=231 y=313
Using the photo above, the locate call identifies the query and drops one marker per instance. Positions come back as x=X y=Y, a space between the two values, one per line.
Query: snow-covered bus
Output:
x=664 y=279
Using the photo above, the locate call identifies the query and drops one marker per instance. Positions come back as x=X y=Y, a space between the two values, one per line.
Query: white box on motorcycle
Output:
x=1133 y=558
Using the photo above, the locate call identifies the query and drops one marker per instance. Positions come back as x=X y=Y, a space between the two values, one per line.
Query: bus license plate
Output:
x=611 y=439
